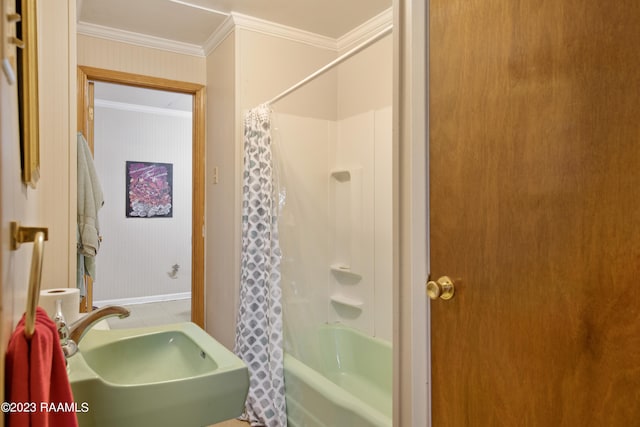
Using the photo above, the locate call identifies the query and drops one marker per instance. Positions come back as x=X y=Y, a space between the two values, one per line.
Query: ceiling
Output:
x=194 y=21
x=141 y=96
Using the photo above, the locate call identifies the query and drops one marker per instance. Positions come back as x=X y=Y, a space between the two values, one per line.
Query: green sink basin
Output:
x=170 y=375
x=149 y=359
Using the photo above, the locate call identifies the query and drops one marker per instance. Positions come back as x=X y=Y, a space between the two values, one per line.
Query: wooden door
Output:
x=535 y=212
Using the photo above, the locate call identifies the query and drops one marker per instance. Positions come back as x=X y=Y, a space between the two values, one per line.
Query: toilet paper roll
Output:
x=70 y=302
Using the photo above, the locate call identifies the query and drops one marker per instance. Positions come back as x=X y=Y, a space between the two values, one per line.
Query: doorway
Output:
x=87 y=75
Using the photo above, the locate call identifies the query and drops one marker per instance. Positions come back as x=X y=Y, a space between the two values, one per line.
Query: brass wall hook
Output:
x=14 y=17
x=21 y=234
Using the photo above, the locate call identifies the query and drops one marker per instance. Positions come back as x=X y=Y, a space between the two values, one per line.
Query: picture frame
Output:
x=26 y=41
x=149 y=192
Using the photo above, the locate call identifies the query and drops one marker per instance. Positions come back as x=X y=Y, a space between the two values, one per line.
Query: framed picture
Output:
x=149 y=190
x=26 y=41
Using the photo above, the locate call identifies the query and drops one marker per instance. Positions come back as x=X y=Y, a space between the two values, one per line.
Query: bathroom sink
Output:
x=150 y=358
x=170 y=375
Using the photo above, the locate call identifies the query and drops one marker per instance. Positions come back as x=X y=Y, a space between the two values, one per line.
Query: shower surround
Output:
x=336 y=237
x=335 y=225
x=334 y=167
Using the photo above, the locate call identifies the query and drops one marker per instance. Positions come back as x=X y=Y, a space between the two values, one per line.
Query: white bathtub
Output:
x=349 y=384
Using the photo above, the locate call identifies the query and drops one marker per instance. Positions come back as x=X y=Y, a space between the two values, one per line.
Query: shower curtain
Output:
x=259 y=324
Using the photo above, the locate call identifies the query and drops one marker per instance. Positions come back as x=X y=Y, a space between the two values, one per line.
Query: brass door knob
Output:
x=442 y=288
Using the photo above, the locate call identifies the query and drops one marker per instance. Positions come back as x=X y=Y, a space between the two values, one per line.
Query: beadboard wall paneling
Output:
x=137 y=253
x=222 y=242
x=57 y=142
x=118 y=56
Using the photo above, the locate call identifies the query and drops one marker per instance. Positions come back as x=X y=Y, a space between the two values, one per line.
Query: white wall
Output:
x=137 y=253
x=365 y=80
x=383 y=223
x=222 y=242
x=267 y=65
x=246 y=69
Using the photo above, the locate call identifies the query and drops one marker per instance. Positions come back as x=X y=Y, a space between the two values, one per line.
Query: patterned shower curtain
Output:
x=259 y=324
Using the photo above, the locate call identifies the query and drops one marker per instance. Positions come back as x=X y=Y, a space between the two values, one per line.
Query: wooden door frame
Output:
x=86 y=74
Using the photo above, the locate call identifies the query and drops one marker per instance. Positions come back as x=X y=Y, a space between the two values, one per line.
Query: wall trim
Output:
x=283 y=31
x=246 y=22
x=365 y=31
x=411 y=341
x=218 y=36
x=125 y=106
x=351 y=39
x=143 y=300
x=144 y=40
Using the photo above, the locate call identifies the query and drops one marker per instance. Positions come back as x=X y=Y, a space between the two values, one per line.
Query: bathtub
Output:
x=349 y=384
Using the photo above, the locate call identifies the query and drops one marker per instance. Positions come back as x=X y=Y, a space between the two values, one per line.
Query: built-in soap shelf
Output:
x=346 y=301
x=345 y=208
x=344 y=269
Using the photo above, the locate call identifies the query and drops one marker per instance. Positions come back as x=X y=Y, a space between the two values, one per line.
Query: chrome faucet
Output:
x=80 y=327
x=69 y=348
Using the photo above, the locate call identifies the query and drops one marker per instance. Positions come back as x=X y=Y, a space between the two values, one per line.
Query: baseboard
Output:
x=143 y=300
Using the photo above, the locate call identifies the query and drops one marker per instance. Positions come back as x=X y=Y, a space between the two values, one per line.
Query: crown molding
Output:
x=237 y=20
x=219 y=35
x=250 y=23
x=283 y=31
x=138 y=39
x=358 y=35
x=125 y=106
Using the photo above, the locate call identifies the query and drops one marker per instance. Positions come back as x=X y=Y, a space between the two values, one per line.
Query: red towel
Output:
x=37 y=385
